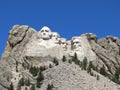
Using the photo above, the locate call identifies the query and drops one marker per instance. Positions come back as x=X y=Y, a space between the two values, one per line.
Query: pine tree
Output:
x=32 y=87
x=89 y=68
x=42 y=68
x=16 y=69
x=23 y=65
x=96 y=69
x=91 y=73
x=50 y=66
x=84 y=65
x=38 y=84
x=27 y=66
x=115 y=77
x=77 y=62
x=74 y=58
x=33 y=70
x=18 y=87
x=98 y=77
x=11 y=87
x=26 y=88
x=64 y=59
x=55 y=61
x=8 y=79
x=21 y=83
x=50 y=87
x=16 y=66
x=70 y=61
x=40 y=77
x=117 y=73
x=16 y=63
x=27 y=82
x=81 y=64
x=103 y=72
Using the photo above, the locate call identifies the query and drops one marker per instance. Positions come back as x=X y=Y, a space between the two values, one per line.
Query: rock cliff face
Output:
x=29 y=47
x=107 y=52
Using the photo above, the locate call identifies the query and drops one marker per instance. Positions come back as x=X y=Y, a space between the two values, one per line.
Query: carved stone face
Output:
x=76 y=43
x=63 y=43
x=55 y=36
x=45 y=33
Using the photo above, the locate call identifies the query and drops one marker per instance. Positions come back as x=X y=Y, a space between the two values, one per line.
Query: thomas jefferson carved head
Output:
x=55 y=36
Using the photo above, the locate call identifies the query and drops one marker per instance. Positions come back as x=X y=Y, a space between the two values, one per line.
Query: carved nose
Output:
x=44 y=33
x=74 y=45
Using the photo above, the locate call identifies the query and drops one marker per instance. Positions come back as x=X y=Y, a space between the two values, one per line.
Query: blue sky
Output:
x=67 y=17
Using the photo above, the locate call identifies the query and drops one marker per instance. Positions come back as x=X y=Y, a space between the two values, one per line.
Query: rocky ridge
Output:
x=26 y=45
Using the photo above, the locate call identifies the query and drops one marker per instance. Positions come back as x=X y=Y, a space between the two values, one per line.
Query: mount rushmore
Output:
x=27 y=47
x=45 y=42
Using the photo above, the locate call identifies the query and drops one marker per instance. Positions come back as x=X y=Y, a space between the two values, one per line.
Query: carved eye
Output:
x=42 y=31
x=46 y=31
x=74 y=42
x=77 y=42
